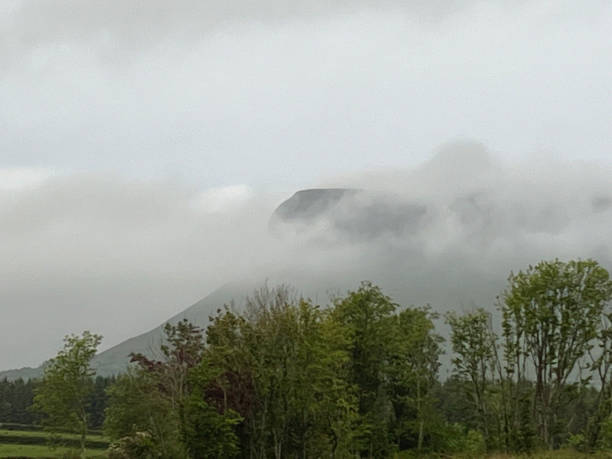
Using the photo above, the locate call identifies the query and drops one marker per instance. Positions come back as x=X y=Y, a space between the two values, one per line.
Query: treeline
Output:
x=545 y=379
x=17 y=398
x=16 y=401
x=286 y=378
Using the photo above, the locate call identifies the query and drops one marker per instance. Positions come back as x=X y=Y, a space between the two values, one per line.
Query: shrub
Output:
x=577 y=442
x=138 y=445
x=475 y=443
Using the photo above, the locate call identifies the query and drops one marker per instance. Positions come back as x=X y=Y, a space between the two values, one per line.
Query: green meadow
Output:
x=37 y=443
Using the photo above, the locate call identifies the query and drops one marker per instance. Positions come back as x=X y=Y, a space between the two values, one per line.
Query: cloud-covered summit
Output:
x=120 y=256
x=145 y=146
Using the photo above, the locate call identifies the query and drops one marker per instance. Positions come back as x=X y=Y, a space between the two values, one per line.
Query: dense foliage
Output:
x=67 y=385
x=17 y=397
x=536 y=388
x=286 y=378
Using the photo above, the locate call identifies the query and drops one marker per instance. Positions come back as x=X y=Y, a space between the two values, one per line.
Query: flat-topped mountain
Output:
x=450 y=247
x=348 y=213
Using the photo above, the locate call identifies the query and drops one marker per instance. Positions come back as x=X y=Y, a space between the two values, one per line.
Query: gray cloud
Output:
x=91 y=252
x=119 y=257
x=134 y=25
x=145 y=144
x=258 y=93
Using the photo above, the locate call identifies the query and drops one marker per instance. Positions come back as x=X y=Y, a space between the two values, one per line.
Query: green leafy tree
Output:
x=335 y=396
x=151 y=399
x=207 y=431
x=601 y=365
x=413 y=375
x=181 y=351
x=284 y=366
x=98 y=400
x=369 y=316
x=474 y=344
x=552 y=316
x=67 y=383
x=16 y=398
x=139 y=417
x=169 y=407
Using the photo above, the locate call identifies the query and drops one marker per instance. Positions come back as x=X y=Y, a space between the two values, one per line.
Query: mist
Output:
x=145 y=146
x=119 y=256
x=269 y=96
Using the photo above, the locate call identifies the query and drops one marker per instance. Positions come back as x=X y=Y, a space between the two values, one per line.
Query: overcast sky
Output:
x=143 y=145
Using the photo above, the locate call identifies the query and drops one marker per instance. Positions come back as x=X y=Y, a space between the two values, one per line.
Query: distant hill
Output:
x=321 y=219
x=451 y=248
x=114 y=360
x=303 y=208
x=24 y=373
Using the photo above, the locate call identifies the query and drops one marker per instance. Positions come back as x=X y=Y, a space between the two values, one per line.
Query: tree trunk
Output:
x=420 y=415
x=83 y=432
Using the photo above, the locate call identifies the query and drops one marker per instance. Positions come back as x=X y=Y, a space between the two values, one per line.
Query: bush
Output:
x=475 y=443
x=605 y=435
x=143 y=445
x=451 y=438
x=138 y=445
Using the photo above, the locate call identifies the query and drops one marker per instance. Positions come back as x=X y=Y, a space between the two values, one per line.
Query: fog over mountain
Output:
x=155 y=153
x=446 y=233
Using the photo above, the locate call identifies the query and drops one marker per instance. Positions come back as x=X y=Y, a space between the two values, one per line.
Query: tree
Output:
x=474 y=344
x=335 y=398
x=182 y=351
x=98 y=400
x=601 y=365
x=413 y=373
x=147 y=406
x=140 y=419
x=284 y=367
x=16 y=399
x=67 y=384
x=369 y=316
x=206 y=431
x=552 y=314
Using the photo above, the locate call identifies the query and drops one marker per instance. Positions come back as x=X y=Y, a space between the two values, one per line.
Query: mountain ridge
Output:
x=302 y=205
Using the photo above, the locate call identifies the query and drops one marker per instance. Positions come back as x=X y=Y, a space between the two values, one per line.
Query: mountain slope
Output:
x=449 y=240
x=348 y=233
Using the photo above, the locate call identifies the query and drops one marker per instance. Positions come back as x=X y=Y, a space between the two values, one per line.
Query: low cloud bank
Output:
x=119 y=257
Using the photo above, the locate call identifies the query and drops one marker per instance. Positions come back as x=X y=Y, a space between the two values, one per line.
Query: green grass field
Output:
x=557 y=454
x=22 y=451
x=22 y=444
x=40 y=433
x=16 y=449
